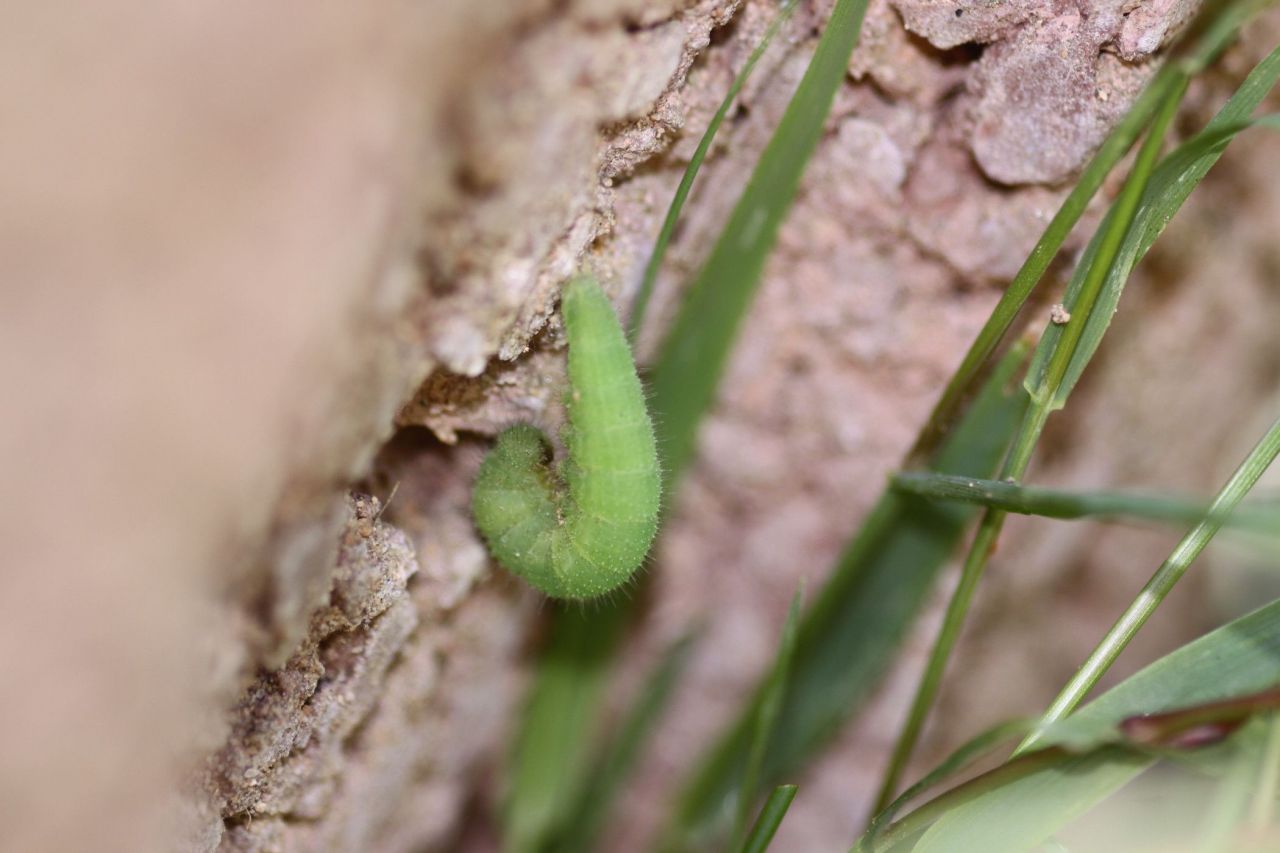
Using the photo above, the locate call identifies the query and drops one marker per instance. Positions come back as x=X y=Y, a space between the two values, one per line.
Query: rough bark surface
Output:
x=292 y=235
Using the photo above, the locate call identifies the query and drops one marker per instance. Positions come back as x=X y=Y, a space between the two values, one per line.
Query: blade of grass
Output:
x=771 y=815
x=552 y=752
x=1055 y=503
x=767 y=715
x=1060 y=342
x=692 y=358
x=1170 y=186
x=640 y=304
x=952 y=765
x=849 y=634
x=1156 y=589
x=960 y=385
x=1213 y=30
x=1109 y=240
x=1025 y=802
x=1059 y=363
x=600 y=789
x=1086 y=783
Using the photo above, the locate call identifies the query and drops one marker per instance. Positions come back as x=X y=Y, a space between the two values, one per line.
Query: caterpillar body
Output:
x=582 y=530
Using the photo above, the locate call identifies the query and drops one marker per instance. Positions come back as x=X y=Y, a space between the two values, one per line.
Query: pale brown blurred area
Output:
x=203 y=208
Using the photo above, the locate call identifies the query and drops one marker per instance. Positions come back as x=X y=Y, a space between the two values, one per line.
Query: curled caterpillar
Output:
x=582 y=530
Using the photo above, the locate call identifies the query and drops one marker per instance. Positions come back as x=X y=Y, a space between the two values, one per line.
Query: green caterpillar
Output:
x=582 y=530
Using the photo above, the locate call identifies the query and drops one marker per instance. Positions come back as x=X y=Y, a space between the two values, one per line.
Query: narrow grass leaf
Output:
x=767 y=714
x=850 y=633
x=640 y=304
x=553 y=749
x=960 y=385
x=1057 y=352
x=1170 y=185
x=1212 y=30
x=692 y=358
x=954 y=764
x=769 y=819
x=1024 y=443
x=1056 y=503
x=1165 y=578
x=1262 y=812
x=617 y=759
x=1242 y=657
x=1230 y=802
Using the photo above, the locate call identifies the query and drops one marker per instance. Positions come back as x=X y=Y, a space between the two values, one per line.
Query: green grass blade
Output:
x=957 y=762
x=1107 y=241
x=771 y=815
x=1056 y=503
x=1170 y=185
x=1060 y=357
x=1027 y=811
x=1215 y=27
x=767 y=715
x=692 y=358
x=850 y=633
x=640 y=305
x=1163 y=581
x=1240 y=658
x=553 y=749
x=961 y=384
x=601 y=787
x=1059 y=345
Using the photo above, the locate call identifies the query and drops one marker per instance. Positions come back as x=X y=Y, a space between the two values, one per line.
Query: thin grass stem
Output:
x=1229 y=802
x=983 y=542
x=1027 y=437
x=640 y=305
x=771 y=815
x=1060 y=504
x=1045 y=397
x=1160 y=584
x=766 y=721
x=967 y=376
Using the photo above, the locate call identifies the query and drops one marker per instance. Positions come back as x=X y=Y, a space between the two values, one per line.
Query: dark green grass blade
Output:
x=1240 y=658
x=850 y=633
x=771 y=815
x=692 y=358
x=767 y=714
x=640 y=304
x=617 y=760
x=553 y=749
x=1056 y=503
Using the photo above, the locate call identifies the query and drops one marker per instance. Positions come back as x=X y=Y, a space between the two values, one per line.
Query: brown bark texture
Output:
x=263 y=263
